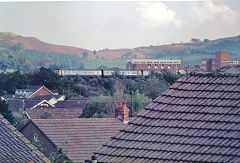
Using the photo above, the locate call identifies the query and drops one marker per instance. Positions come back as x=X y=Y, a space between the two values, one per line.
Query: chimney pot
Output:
x=124 y=105
x=119 y=105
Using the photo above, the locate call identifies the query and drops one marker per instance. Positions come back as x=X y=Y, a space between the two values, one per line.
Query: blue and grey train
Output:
x=101 y=72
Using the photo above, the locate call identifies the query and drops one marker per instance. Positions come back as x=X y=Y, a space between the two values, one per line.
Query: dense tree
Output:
x=106 y=92
x=138 y=102
x=7 y=114
x=170 y=77
x=46 y=77
x=54 y=157
x=25 y=60
x=9 y=82
x=154 y=86
x=97 y=107
x=60 y=155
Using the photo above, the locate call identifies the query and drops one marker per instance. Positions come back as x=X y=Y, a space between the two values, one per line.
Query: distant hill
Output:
x=10 y=39
x=189 y=53
x=59 y=56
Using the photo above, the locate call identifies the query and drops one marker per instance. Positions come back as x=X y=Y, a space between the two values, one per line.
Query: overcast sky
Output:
x=98 y=25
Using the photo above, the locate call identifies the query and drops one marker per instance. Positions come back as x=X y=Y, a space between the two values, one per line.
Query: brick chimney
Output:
x=122 y=112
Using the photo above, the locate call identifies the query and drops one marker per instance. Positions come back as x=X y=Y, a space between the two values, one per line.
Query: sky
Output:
x=97 y=25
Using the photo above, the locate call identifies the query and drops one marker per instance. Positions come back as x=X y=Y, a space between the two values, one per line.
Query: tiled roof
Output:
x=33 y=88
x=15 y=105
x=46 y=97
x=72 y=102
x=83 y=135
x=195 y=120
x=54 y=113
x=230 y=69
x=15 y=148
x=29 y=103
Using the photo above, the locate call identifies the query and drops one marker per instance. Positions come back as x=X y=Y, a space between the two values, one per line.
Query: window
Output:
x=176 y=66
x=156 y=65
x=44 y=105
x=169 y=66
x=204 y=62
x=162 y=66
x=149 y=65
x=234 y=62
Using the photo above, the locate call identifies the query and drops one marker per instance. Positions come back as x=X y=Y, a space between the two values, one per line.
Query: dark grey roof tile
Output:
x=15 y=148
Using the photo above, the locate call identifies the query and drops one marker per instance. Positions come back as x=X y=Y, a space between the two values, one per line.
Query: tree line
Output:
x=105 y=93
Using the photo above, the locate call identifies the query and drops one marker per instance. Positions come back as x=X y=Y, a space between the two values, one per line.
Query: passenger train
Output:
x=102 y=73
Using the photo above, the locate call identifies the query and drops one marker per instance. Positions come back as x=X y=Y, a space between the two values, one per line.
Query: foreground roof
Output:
x=15 y=148
x=83 y=135
x=196 y=120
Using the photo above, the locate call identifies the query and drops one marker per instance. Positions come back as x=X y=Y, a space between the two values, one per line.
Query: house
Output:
x=222 y=59
x=38 y=101
x=49 y=107
x=62 y=109
x=73 y=102
x=83 y=135
x=195 y=120
x=14 y=147
x=33 y=91
x=154 y=64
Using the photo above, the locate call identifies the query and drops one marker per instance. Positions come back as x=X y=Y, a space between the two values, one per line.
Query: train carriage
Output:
x=131 y=73
x=102 y=73
x=82 y=72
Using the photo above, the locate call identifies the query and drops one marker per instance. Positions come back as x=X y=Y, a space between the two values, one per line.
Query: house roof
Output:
x=15 y=105
x=29 y=103
x=230 y=69
x=42 y=87
x=14 y=147
x=54 y=113
x=34 y=89
x=195 y=120
x=83 y=135
x=72 y=102
x=46 y=97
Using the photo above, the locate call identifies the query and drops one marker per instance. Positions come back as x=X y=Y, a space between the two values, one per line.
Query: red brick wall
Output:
x=220 y=56
x=222 y=59
x=29 y=132
x=42 y=92
x=131 y=66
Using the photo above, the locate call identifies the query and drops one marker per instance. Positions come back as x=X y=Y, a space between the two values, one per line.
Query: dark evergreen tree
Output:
x=7 y=114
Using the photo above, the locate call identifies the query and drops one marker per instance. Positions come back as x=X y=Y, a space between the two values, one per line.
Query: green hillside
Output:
x=14 y=56
x=207 y=48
